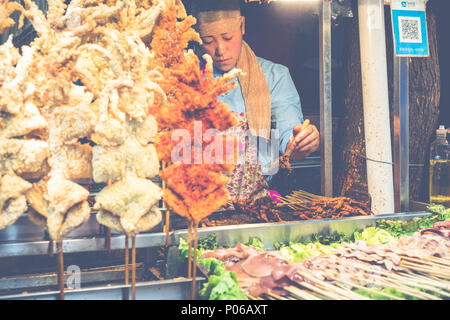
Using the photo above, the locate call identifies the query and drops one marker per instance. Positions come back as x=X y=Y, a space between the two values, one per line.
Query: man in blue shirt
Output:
x=265 y=92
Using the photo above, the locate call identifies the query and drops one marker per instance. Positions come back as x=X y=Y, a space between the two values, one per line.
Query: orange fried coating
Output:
x=196 y=185
x=193 y=190
x=171 y=37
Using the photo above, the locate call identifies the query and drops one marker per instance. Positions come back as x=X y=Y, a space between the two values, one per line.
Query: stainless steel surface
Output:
x=106 y=274
x=326 y=169
x=152 y=290
x=230 y=235
x=401 y=133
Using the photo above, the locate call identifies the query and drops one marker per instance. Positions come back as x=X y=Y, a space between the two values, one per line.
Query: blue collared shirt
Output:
x=286 y=111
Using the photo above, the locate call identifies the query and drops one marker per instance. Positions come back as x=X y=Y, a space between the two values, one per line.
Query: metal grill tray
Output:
x=151 y=290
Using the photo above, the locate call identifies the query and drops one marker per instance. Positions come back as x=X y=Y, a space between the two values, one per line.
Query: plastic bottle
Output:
x=440 y=169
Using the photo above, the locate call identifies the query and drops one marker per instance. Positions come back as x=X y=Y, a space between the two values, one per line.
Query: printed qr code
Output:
x=409 y=29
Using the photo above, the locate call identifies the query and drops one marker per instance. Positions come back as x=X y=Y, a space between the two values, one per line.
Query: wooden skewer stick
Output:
x=133 y=268
x=368 y=289
x=189 y=239
x=401 y=288
x=424 y=269
x=298 y=293
x=167 y=222
x=276 y=296
x=427 y=280
x=108 y=230
x=194 y=266
x=60 y=270
x=339 y=291
x=127 y=252
x=425 y=262
x=50 y=248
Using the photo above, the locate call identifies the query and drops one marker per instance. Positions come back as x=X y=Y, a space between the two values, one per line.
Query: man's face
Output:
x=224 y=48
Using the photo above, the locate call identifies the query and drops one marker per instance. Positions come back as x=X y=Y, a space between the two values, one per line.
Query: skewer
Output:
x=250 y=296
x=195 y=261
x=314 y=288
x=189 y=239
x=296 y=292
x=424 y=269
x=425 y=262
x=50 y=248
x=167 y=222
x=345 y=293
x=133 y=268
x=381 y=281
x=437 y=260
x=428 y=280
x=126 y=260
x=108 y=230
x=370 y=290
x=60 y=270
x=276 y=296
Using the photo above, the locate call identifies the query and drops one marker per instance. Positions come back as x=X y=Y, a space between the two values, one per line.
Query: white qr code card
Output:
x=409 y=28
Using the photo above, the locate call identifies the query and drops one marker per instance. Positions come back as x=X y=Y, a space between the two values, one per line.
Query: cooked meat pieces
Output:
x=74 y=218
x=193 y=191
x=73 y=123
x=24 y=123
x=197 y=208
x=37 y=197
x=23 y=156
x=112 y=163
x=130 y=199
x=146 y=162
x=64 y=194
x=78 y=161
x=147 y=222
x=12 y=186
x=12 y=198
x=192 y=181
x=12 y=209
x=59 y=226
x=145 y=132
x=108 y=163
x=109 y=132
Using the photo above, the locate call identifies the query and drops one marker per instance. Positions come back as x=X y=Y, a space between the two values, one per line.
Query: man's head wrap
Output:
x=222 y=16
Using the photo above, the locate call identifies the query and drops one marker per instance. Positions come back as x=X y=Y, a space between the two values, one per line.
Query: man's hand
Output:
x=306 y=141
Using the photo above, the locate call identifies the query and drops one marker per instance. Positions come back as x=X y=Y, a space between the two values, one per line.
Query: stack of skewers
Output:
x=416 y=267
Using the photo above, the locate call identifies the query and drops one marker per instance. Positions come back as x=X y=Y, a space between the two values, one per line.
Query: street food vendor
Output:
x=265 y=93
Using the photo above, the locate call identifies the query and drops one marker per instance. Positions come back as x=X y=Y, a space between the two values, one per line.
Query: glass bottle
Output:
x=440 y=169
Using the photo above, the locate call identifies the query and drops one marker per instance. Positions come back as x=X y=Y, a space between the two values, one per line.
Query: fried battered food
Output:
x=78 y=161
x=60 y=206
x=23 y=156
x=129 y=199
x=108 y=163
x=193 y=191
x=12 y=198
x=6 y=9
x=151 y=219
x=24 y=123
x=73 y=123
x=75 y=217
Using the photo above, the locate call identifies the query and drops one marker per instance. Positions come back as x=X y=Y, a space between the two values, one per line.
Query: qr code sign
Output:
x=409 y=29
